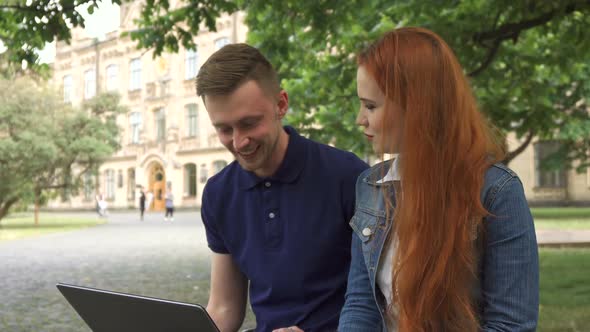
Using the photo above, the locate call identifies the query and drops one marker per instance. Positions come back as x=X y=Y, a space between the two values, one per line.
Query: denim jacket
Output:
x=507 y=291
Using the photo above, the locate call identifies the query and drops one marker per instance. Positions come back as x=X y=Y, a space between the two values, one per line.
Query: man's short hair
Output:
x=233 y=65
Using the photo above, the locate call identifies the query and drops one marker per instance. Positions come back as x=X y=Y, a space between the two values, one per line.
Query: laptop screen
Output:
x=107 y=311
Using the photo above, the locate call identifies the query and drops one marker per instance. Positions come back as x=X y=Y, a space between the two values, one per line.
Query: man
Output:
x=277 y=217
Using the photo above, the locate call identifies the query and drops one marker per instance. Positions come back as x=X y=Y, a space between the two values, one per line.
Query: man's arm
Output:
x=229 y=291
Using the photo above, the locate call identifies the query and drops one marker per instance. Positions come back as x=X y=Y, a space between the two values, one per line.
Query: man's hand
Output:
x=288 y=329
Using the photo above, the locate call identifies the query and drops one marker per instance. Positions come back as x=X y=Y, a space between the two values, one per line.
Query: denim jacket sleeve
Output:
x=360 y=312
x=510 y=266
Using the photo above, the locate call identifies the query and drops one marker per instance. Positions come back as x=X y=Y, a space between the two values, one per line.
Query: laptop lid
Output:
x=107 y=311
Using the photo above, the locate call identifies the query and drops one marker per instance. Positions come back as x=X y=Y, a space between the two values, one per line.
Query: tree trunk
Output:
x=37 y=208
x=513 y=154
x=5 y=207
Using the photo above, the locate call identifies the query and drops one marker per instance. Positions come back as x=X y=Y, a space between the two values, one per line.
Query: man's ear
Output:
x=283 y=104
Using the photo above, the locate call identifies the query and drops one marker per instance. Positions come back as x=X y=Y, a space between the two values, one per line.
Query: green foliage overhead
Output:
x=528 y=60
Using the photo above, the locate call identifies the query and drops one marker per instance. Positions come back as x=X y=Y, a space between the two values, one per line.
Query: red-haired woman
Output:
x=443 y=237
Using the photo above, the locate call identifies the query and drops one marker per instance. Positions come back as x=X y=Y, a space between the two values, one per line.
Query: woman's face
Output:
x=385 y=138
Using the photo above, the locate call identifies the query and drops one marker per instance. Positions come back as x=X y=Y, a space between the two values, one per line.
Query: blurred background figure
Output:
x=169 y=207
x=142 y=199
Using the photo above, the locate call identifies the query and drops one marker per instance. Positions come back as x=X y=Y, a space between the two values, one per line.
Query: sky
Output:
x=104 y=19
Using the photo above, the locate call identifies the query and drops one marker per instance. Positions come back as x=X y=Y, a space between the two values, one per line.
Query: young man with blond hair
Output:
x=277 y=217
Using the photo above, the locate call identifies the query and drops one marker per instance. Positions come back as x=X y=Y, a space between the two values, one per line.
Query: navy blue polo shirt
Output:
x=288 y=233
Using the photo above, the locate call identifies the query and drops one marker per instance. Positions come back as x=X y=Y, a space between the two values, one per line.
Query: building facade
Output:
x=556 y=187
x=167 y=141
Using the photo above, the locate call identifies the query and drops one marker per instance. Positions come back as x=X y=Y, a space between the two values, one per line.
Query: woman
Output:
x=443 y=237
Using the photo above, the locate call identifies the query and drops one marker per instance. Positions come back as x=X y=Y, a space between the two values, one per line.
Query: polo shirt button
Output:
x=267 y=184
x=367 y=231
x=271 y=215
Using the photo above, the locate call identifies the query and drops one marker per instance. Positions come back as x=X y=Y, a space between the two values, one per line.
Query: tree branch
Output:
x=492 y=51
x=512 y=154
x=513 y=30
x=508 y=30
x=5 y=206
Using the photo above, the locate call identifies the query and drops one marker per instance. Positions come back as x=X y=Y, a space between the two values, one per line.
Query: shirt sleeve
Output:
x=214 y=236
x=510 y=276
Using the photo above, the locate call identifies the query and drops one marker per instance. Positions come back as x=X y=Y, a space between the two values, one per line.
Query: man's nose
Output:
x=240 y=141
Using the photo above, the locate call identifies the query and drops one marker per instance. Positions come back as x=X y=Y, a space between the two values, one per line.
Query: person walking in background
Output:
x=141 y=203
x=102 y=205
x=169 y=207
x=443 y=236
x=149 y=198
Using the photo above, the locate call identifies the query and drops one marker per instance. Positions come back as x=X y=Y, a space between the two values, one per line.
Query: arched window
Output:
x=89 y=84
x=112 y=78
x=130 y=184
x=135 y=123
x=120 y=179
x=190 y=180
x=88 y=186
x=68 y=88
x=110 y=184
x=191 y=68
x=203 y=171
x=160 y=117
x=192 y=120
x=135 y=74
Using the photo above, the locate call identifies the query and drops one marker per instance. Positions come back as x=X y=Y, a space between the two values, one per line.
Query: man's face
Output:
x=248 y=124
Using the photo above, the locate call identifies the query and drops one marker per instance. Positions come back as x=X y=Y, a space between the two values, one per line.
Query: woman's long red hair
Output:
x=445 y=149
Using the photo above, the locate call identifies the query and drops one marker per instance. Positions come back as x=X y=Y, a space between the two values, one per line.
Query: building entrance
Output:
x=157 y=185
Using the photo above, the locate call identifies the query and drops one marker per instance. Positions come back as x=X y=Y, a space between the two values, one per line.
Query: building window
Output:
x=192 y=120
x=135 y=126
x=112 y=78
x=203 y=172
x=191 y=68
x=89 y=84
x=160 y=125
x=554 y=178
x=68 y=88
x=110 y=184
x=120 y=179
x=218 y=165
x=220 y=42
x=190 y=180
x=130 y=184
x=88 y=186
x=135 y=74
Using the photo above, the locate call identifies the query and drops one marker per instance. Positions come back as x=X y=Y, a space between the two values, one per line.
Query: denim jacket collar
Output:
x=377 y=172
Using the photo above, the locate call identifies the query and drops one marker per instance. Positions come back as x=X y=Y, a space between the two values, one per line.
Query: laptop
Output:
x=107 y=311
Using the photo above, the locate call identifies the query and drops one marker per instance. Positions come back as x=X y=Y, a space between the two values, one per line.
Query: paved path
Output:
x=152 y=258
x=563 y=238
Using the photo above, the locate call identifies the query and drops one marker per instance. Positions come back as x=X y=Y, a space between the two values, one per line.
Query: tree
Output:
x=46 y=146
x=26 y=26
x=528 y=60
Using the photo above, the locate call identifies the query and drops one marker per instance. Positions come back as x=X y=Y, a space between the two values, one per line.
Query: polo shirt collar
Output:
x=290 y=168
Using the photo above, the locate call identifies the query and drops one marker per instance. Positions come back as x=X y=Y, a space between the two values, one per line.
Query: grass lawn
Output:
x=562 y=223
x=561 y=212
x=561 y=218
x=12 y=228
x=565 y=290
